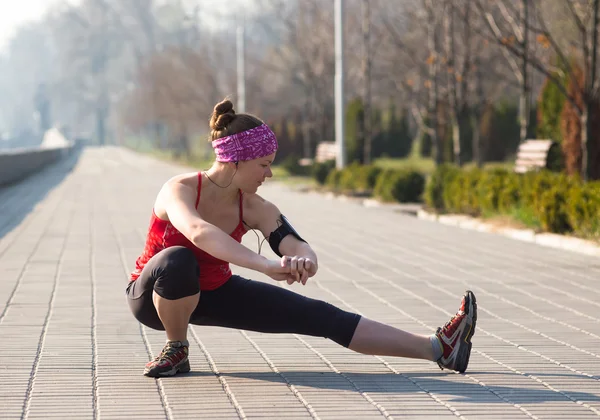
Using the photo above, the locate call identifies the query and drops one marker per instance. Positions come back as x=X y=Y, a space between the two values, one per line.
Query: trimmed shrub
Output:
x=583 y=208
x=551 y=207
x=439 y=180
x=320 y=170
x=510 y=195
x=292 y=165
x=544 y=200
x=333 y=179
x=404 y=186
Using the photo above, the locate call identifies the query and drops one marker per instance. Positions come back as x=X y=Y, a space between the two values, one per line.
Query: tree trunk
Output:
x=306 y=127
x=524 y=99
x=456 y=138
x=475 y=119
x=586 y=133
x=101 y=126
x=590 y=98
x=433 y=88
x=476 y=115
x=451 y=80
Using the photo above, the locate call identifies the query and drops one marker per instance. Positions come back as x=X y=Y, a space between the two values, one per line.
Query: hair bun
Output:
x=222 y=115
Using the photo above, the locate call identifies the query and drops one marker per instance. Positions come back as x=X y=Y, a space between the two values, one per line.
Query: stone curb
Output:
x=527 y=235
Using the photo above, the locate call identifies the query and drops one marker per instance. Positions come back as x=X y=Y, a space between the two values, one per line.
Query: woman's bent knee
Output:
x=177 y=273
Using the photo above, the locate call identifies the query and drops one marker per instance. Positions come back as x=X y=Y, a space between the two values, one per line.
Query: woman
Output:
x=198 y=220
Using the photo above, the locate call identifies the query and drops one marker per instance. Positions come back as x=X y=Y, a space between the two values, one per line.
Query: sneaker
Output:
x=456 y=335
x=171 y=360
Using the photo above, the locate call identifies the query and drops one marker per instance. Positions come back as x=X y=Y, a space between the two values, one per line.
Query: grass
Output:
x=517 y=217
x=194 y=161
x=427 y=165
x=423 y=165
x=282 y=175
x=197 y=159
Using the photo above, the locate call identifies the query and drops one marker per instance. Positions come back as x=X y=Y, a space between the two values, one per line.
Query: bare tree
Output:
x=584 y=19
x=305 y=59
x=178 y=77
x=434 y=63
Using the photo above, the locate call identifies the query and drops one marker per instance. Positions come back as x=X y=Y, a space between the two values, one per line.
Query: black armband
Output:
x=284 y=229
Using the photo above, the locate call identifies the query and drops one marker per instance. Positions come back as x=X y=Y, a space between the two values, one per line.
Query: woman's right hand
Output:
x=277 y=270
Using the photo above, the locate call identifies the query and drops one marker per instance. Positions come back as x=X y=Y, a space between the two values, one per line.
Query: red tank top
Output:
x=162 y=234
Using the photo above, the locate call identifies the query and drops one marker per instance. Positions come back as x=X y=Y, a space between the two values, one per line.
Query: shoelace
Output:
x=167 y=353
x=450 y=325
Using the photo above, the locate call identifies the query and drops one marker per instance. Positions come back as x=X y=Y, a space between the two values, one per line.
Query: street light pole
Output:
x=339 y=84
x=241 y=77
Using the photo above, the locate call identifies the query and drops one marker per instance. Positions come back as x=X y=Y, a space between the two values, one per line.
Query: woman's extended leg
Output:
x=372 y=337
x=257 y=306
x=450 y=346
x=163 y=298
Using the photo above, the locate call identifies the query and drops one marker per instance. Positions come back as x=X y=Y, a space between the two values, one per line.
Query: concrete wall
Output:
x=16 y=164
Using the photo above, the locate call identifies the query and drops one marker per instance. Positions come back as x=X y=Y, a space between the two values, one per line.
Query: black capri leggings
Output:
x=239 y=303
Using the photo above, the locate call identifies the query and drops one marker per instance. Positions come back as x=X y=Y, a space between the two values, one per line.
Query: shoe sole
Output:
x=182 y=367
x=468 y=334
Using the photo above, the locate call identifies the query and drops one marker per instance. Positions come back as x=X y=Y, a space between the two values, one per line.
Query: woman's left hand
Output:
x=301 y=268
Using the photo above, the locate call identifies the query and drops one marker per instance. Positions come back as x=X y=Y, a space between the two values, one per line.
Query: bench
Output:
x=533 y=155
x=326 y=150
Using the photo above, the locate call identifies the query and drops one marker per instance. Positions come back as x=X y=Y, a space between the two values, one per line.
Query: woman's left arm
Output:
x=284 y=240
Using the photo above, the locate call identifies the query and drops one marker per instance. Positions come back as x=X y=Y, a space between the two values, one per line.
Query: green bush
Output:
x=404 y=186
x=292 y=166
x=534 y=185
x=555 y=161
x=583 y=208
x=551 y=209
x=382 y=183
x=320 y=170
x=510 y=195
x=333 y=179
x=366 y=177
x=438 y=182
x=543 y=200
x=461 y=196
x=347 y=181
x=550 y=106
x=490 y=188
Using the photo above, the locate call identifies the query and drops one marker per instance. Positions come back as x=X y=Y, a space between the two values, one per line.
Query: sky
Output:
x=15 y=13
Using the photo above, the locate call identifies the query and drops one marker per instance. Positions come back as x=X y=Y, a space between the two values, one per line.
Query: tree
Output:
x=178 y=78
x=581 y=38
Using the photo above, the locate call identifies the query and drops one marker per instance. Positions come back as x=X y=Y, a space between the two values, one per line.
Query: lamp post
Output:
x=241 y=78
x=339 y=85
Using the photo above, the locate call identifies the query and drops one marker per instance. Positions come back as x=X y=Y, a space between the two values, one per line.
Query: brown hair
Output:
x=225 y=122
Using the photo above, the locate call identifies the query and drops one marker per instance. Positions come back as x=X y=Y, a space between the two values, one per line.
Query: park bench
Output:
x=326 y=150
x=533 y=155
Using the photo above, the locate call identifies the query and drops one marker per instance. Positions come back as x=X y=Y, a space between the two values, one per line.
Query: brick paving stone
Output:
x=69 y=347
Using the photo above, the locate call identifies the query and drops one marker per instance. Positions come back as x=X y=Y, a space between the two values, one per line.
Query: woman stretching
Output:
x=196 y=227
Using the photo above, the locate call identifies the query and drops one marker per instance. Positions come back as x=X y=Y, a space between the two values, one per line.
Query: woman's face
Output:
x=254 y=172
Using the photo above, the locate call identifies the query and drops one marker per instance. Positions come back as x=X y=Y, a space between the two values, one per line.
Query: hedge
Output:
x=388 y=185
x=559 y=203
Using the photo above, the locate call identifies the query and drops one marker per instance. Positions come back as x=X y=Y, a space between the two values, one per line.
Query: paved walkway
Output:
x=70 y=348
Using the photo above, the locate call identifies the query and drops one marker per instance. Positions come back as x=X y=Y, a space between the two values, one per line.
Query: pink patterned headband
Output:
x=247 y=145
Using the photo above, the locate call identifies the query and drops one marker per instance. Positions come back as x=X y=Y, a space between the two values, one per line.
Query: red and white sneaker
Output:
x=171 y=360
x=456 y=335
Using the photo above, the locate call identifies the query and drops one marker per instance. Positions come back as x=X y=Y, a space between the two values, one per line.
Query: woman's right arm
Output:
x=180 y=207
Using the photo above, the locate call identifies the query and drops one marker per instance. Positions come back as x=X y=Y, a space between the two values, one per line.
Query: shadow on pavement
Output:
x=470 y=392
